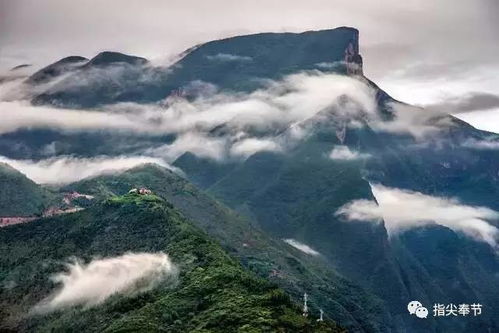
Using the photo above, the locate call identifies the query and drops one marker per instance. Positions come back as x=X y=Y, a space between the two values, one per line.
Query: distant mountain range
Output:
x=385 y=203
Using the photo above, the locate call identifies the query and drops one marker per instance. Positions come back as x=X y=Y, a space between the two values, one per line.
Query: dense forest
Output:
x=213 y=294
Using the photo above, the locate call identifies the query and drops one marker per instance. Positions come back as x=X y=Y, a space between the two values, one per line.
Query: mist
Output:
x=91 y=284
x=302 y=247
x=403 y=210
x=347 y=154
x=68 y=169
x=250 y=121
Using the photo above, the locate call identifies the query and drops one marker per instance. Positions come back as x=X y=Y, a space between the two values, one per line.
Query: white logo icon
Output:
x=412 y=306
x=421 y=312
x=418 y=309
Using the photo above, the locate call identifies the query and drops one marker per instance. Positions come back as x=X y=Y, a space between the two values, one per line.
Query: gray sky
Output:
x=423 y=52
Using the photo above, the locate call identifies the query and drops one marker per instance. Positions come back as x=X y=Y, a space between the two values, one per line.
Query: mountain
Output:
x=385 y=204
x=79 y=82
x=236 y=64
x=56 y=69
x=107 y=58
x=20 y=196
x=213 y=292
x=239 y=63
x=297 y=194
x=293 y=270
x=71 y=64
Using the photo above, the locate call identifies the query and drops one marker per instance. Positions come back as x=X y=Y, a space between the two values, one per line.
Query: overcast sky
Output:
x=422 y=52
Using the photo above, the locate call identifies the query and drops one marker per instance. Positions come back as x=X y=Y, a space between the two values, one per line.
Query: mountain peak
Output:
x=353 y=59
x=108 y=57
x=235 y=62
x=57 y=68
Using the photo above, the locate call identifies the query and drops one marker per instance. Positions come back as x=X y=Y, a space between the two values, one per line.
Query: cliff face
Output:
x=353 y=59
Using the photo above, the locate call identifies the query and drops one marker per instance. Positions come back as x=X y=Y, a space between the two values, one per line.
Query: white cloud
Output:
x=402 y=210
x=345 y=153
x=67 y=169
x=302 y=247
x=294 y=99
x=216 y=148
x=228 y=57
x=412 y=120
x=248 y=147
x=481 y=144
x=197 y=143
x=17 y=115
x=281 y=105
x=91 y=284
x=329 y=65
x=284 y=106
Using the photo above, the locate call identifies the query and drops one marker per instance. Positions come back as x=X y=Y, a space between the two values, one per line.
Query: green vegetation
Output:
x=214 y=293
x=296 y=195
x=20 y=196
x=294 y=271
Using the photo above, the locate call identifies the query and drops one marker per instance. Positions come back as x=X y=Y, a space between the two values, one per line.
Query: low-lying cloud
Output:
x=402 y=210
x=198 y=144
x=250 y=146
x=413 y=120
x=330 y=65
x=228 y=57
x=294 y=99
x=18 y=115
x=302 y=247
x=481 y=144
x=67 y=169
x=223 y=125
x=346 y=154
x=93 y=283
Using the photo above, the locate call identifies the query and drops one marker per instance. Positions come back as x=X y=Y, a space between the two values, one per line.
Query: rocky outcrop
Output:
x=353 y=59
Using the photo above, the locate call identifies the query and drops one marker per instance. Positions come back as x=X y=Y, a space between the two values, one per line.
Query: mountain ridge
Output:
x=194 y=305
x=296 y=273
x=263 y=56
